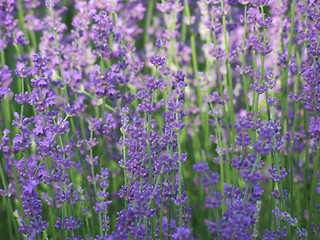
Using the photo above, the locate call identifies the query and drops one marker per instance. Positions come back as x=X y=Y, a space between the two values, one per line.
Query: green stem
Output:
x=219 y=76
x=244 y=80
x=249 y=184
x=229 y=83
x=285 y=77
x=148 y=22
x=65 y=87
x=9 y=206
x=313 y=203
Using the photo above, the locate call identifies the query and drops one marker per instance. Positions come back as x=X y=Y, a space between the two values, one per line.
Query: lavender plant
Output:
x=159 y=120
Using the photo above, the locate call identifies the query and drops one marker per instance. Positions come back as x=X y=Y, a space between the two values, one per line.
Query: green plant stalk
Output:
x=313 y=203
x=192 y=38
x=268 y=107
x=17 y=47
x=151 y=202
x=149 y=146
x=21 y=20
x=105 y=105
x=126 y=199
x=299 y=61
x=314 y=72
x=262 y=63
x=134 y=61
x=244 y=80
x=173 y=206
x=208 y=60
x=22 y=26
x=281 y=28
x=247 y=187
x=194 y=52
x=229 y=76
x=83 y=167
x=64 y=213
x=314 y=198
x=220 y=148
x=237 y=172
x=66 y=138
x=291 y=160
x=220 y=78
x=51 y=214
x=148 y=119
x=262 y=59
x=32 y=35
x=94 y=181
x=9 y=209
x=282 y=202
x=125 y=161
x=179 y=169
x=184 y=25
x=171 y=50
x=64 y=209
x=65 y=87
x=215 y=212
x=3 y=59
x=255 y=70
x=19 y=56
x=285 y=77
x=205 y=115
x=92 y=167
x=196 y=145
x=148 y=22
x=103 y=68
x=282 y=205
x=19 y=204
x=314 y=87
x=6 y=112
x=161 y=221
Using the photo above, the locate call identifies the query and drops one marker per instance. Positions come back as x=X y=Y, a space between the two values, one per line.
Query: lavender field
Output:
x=169 y=119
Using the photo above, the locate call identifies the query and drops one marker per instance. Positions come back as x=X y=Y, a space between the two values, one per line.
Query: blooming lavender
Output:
x=159 y=120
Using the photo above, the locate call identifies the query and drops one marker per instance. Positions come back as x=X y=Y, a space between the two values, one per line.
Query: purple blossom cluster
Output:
x=160 y=120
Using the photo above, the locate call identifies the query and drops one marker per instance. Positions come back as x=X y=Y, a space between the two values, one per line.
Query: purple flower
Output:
x=3 y=91
x=160 y=43
x=273 y=101
x=71 y=112
x=275 y=176
x=157 y=61
x=3 y=193
x=201 y=167
x=40 y=82
x=259 y=88
x=243 y=139
x=40 y=62
x=5 y=76
x=314 y=128
x=181 y=233
x=214 y=201
x=211 y=179
x=30 y=185
x=275 y=193
x=101 y=33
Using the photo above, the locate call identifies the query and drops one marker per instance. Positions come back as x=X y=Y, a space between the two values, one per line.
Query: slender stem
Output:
x=229 y=76
x=249 y=184
x=9 y=205
x=148 y=22
x=219 y=76
x=313 y=203
x=242 y=59
x=65 y=88
x=286 y=73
